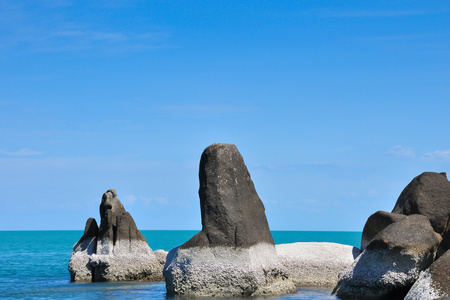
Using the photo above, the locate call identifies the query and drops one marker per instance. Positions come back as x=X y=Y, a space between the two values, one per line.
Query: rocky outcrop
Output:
x=391 y=262
x=234 y=254
x=79 y=266
x=434 y=283
x=316 y=264
x=116 y=250
x=376 y=223
x=428 y=194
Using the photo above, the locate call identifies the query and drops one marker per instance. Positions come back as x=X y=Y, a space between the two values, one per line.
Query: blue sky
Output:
x=334 y=105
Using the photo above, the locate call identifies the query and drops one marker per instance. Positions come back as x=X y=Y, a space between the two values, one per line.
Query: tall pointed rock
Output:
x=234 y=254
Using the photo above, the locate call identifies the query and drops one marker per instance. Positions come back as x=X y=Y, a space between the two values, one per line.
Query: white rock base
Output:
x=226 y=272
x=138 y=262
x=316 y=264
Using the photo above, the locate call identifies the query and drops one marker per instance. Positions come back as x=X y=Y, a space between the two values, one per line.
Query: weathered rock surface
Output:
x=391 y=262
x=434 y=283
x=376 y=223
x=79 y=266
x=234 y=254
x=316 y=264
x=232 y=213
x=428 y=194
x=115 y=251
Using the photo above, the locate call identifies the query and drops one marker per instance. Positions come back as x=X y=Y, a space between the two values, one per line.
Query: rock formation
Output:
x=79 y=266
x=391 y=262
x=116 y=250
x=428 y=194
x=434 y=283
x=376 y=223
x=316 y=264
x=234 y=254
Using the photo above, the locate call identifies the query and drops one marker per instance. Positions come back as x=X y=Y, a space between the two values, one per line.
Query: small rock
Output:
x=115 y=251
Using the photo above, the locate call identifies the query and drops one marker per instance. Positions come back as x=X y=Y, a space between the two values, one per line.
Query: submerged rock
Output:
x=391 y=262
x=428 y=194
x=316 y=264
x=115 y=251
x=234 y=254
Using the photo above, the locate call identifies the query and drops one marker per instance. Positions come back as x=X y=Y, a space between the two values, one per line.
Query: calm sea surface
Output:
x=33 y=265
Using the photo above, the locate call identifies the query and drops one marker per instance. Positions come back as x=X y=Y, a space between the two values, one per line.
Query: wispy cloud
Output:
x=372 y=13
x=22 y=152
x=219 y=108
x=407 y=152
x=149 y=200
x=23 y=30
x=402 y=151
x=129 y=199
x=439 y=155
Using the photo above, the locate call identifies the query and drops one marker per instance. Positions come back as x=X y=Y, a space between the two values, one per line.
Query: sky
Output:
x=335 y=106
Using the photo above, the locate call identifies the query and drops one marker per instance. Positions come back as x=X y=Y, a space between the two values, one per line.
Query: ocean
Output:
x=33 y=265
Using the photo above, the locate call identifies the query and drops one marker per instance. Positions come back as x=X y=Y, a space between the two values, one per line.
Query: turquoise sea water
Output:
x=33 y=265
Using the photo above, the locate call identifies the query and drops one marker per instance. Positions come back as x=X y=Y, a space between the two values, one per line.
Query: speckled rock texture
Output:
x=316 y=264
x=115 y=251
x=434 y=283
x=428 y=194
x=226 y=272
x=234 y=254
x=391 y=262
x=376 y=223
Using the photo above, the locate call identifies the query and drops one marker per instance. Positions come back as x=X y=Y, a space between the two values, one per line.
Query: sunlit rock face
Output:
x=115 y=251
x=391 y=262
x=234 y=254
x=427 y=194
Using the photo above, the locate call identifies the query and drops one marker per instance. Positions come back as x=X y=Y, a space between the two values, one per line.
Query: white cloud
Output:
x=402 y=151
x=219 y=108
x=22 y=152
x=159 y=200
x=372 y=13
x=439 y=154
x=129 y=199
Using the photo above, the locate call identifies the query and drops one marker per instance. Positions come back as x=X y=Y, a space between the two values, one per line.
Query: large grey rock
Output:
x=316 y=264
x=234 y=254
x=232 y=213
x=116 y=251
x=391 y=262
x=376 y=223
x=434 y=283
x=428 y=194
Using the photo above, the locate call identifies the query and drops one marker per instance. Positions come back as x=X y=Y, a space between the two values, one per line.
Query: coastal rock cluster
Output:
x=405 y=252
x=116 y=250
